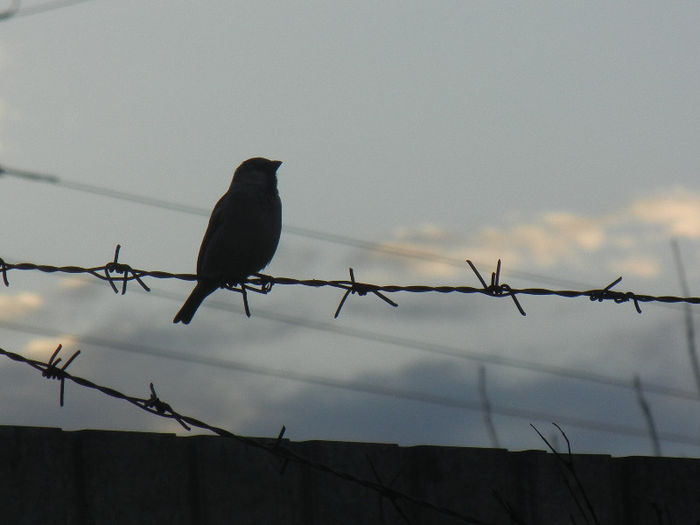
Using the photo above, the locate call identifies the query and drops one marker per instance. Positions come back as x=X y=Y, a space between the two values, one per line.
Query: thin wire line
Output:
x=294 y=230
x=103 y=273
x=124 y=273
x=354 y=386
x=445 y=350
x=154 y=405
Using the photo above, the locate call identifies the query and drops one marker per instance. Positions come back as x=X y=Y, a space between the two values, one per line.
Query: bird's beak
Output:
x=276 y=163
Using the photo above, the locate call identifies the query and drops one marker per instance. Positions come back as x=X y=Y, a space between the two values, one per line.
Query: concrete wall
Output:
x=98 y=477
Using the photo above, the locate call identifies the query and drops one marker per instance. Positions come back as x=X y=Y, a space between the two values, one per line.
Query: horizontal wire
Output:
x=354 y=386
x=399 y=251
x=447 y=350
x=266 y=282
x=103 y=273
x=334 y=238
x=156 y=406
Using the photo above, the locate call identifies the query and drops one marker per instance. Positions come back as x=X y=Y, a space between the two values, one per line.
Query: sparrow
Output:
x=242 y=235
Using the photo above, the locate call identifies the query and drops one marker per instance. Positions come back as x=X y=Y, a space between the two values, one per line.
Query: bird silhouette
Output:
x=243 y=232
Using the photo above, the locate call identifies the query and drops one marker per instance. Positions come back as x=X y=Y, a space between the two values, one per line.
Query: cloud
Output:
x=626 y=241
x=16 y=305
x=678 y=211
x=426 y=232
x=42 y=347
x=551 y=238
x=73 y=283
x=637 y=265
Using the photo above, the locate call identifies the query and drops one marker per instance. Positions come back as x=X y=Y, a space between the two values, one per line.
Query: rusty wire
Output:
x=154 y=405
x=117 y=273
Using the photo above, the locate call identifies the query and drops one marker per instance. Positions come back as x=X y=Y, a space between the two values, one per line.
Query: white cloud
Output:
x=626 y=241
x=426 y=232
x=549 y=239
x=16 y=305
x=637 y=265
x=73 y=283
x=678 y=211
x=41 y=348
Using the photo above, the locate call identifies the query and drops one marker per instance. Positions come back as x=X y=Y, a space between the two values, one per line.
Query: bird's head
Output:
x=257 y=172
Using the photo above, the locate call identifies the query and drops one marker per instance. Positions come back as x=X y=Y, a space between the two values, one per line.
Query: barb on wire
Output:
x=51 y=370
x=162 y=408
x=360 y=289
x=608 y=293
x=156 y=406
x=263 y=284
x=496 y=289
x=116 y=267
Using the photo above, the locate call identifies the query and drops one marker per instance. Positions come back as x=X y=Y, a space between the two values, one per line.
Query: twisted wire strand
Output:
x=116 y=273
x=156 y=406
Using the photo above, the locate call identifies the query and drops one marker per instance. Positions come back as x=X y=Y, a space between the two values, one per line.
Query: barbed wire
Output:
x=115 y=272
x=411 y=395
x=309 y=233
x=154 y=405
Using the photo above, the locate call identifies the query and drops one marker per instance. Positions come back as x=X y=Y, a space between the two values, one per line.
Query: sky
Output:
x=561 y=138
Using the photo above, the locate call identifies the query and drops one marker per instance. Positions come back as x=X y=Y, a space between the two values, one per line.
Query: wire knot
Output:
x=3 y=270
x=496 y=288
x=51 y=370
x=154 y=402
x=114 y=266
x=607 y=294
x=161 y=407
x=361 y=289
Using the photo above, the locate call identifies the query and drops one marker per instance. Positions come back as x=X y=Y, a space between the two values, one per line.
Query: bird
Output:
x=242 y=235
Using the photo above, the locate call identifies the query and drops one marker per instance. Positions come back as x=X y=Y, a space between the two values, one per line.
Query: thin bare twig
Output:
x=689 y=327
x=648 y=417
x=568 y=465
x=486 y=408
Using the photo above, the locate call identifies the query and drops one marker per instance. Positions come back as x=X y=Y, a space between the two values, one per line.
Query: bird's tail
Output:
x=200 y=292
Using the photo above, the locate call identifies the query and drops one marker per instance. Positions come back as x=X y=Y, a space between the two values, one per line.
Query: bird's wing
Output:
x=214 y=223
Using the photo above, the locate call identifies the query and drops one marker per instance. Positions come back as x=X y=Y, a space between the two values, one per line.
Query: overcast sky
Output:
x=561 y=138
